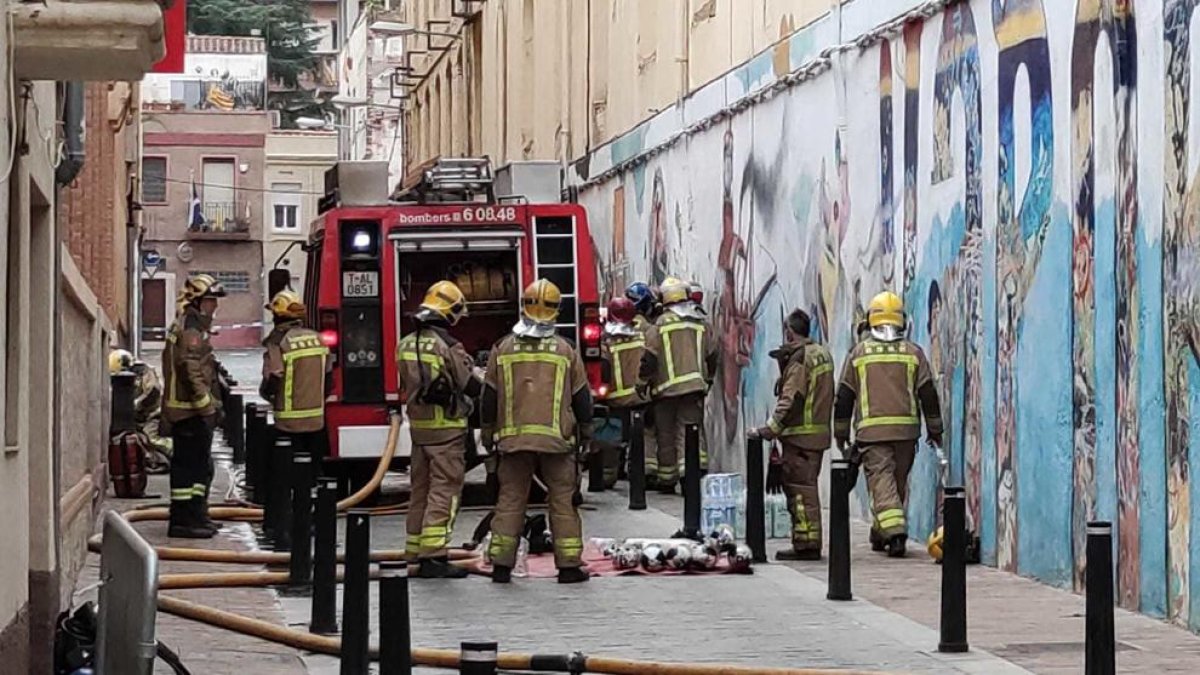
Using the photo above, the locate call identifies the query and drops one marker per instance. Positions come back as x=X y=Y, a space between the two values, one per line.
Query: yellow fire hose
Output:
x=445 y=658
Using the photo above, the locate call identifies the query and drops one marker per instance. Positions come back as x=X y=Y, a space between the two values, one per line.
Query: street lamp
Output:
x=397 y=29
x=341 y=101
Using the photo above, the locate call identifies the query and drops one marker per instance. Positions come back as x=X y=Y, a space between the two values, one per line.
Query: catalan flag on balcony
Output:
x=195 y=210
x=219 y=98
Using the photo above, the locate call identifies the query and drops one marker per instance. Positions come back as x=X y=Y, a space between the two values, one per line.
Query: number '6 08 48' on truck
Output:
x=372 y=256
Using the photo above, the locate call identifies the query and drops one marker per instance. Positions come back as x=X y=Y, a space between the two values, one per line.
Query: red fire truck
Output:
x=371 y=256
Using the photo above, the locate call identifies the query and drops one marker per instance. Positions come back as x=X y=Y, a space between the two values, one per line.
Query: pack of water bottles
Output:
x=777 y=520
x=723 y=502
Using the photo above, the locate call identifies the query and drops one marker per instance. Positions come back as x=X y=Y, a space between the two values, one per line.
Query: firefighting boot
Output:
x=878 y=545
x=200 y=505
x=440 y=568
x=665 y=488
x=791 y=555
x=185 y=523
x=573 y=575
x=896 y=546
x=501 y=574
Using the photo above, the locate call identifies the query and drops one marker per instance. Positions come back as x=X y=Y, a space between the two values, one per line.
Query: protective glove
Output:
x=754 y=433
x=852 y=454
x=775 y=472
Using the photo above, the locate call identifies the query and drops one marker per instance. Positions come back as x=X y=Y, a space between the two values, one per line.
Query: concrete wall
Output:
x=186 y=139
x=1024 y=173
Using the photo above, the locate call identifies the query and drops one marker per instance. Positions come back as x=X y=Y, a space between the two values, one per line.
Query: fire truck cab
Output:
x=372 y=255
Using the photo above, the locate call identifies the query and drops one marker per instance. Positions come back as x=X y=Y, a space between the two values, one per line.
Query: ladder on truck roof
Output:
x=449 y=179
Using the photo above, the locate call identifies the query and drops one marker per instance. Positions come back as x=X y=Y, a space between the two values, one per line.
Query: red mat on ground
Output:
x=541 y=566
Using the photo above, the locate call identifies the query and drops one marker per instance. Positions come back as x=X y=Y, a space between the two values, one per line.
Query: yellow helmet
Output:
x=119 y=360
x=203 y=286
x=886 y=309
x=446 y=300
x=936 y=542
x=541 y=301
x=674 y=291
x=287 y=305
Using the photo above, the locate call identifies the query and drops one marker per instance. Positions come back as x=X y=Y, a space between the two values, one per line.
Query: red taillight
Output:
x=329 y=338
x=591 y=333
x=329 y=327
x=602 y=391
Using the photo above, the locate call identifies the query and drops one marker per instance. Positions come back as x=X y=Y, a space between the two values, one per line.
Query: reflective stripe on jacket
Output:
x=300 y=402
x=683 y=349
x=422 y=358
x=805 y=395
x=624 y=356
x=885 y=377
x=189 y=369
x=534 y=380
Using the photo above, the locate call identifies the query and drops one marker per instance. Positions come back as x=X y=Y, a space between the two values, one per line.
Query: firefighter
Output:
x=192 y=409
x=535 y=403
x=436 y=375
x=645 y=300
x=677 y=367
x=296 y=376
x=801 y=424
x=889 y=379
x=621 y=356
x=147 y=407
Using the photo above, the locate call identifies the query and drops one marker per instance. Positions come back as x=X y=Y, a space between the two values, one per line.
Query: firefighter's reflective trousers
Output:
x=191 y=471
x=437 y=481
x=516 y=471
x=887 y=466
x=671 y=417
x=801 y=469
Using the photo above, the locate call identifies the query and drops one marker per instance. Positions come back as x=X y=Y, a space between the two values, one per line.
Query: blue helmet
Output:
x=641 y=296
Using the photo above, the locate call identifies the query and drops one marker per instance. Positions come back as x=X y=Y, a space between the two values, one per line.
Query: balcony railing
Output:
x=222 y=220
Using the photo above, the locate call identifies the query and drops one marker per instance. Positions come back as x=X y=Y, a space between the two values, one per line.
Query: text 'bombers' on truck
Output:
x=372 y=255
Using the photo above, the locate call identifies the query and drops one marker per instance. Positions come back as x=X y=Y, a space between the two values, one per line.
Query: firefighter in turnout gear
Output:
x=677 y=368
x=801 y=424
x=192 y=408
x=437 y=379
x=621 y=357
x=886 y=386
x=646 y=301
x=537 y=410
x=297 y=376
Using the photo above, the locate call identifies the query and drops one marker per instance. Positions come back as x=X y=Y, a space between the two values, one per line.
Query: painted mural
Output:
x=1039 y=212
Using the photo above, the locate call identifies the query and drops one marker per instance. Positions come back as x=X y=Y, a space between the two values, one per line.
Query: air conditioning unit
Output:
x=276 y=118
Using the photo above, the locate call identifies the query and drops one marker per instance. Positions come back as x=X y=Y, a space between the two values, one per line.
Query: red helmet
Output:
x=696 y=293
x=621 y=310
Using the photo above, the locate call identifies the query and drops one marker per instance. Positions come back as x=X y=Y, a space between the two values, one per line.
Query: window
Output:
x=285 y=198
x=154 y=180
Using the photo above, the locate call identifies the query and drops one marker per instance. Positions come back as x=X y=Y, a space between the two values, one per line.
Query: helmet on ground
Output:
x=119 y=360
x=886 y=309
x=287 y=305
x=935 y=543
x=203 y=286
x=741 y=559
x=641 y=295
x=621 y=310
x=540 y=302
x=654 y=558
x=674 y=291
x=446 y=300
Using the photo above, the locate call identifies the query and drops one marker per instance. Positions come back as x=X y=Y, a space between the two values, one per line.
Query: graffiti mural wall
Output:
x=1024 y=173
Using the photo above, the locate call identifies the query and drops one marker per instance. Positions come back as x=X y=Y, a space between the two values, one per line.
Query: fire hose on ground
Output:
x=332 y=645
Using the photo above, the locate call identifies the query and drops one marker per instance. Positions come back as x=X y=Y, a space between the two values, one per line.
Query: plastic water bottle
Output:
x=521 y=569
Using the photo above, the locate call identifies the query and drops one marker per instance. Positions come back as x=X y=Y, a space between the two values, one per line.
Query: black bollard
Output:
x=691 y=480
x=637 y=461
x=595 y=469
x=264 y=432
x=478 y=658
x=954 y=572
x=300 y=562
x=123 y=415
x=356 y=603
x=1100 y=651
x=234 y=427
x=756 y=524
x=250 y=447
x=324 y=594
x=839 y=532
x=395 y=634
x=280 y=497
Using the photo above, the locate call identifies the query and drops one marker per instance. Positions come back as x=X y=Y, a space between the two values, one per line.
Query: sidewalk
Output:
x=776 y=617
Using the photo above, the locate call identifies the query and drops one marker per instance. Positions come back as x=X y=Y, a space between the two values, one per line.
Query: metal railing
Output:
x=223 y=218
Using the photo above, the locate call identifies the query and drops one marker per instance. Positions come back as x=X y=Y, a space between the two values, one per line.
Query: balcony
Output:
x=222 y=220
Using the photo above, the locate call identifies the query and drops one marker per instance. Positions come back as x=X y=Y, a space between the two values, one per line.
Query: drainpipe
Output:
x=73 y=132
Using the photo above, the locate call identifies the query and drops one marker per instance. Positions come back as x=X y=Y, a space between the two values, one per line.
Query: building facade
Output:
x=204 y=163
x=370 y=123
x=63 y=296
x=296 y=162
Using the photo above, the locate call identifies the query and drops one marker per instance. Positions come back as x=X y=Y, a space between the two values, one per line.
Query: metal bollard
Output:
x=356 y=602
x=262 y=469
x=839 y=532
x=300 y=562
x=691 y=480
x=595 y=470
x=637 y=461
x=279 y=498
x=324 y=594
x=395 y=633
x=953 y=637
x=756 y=524
x=250 y=447
x=478 y=658
x=235 y=428
x=1100 y=651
